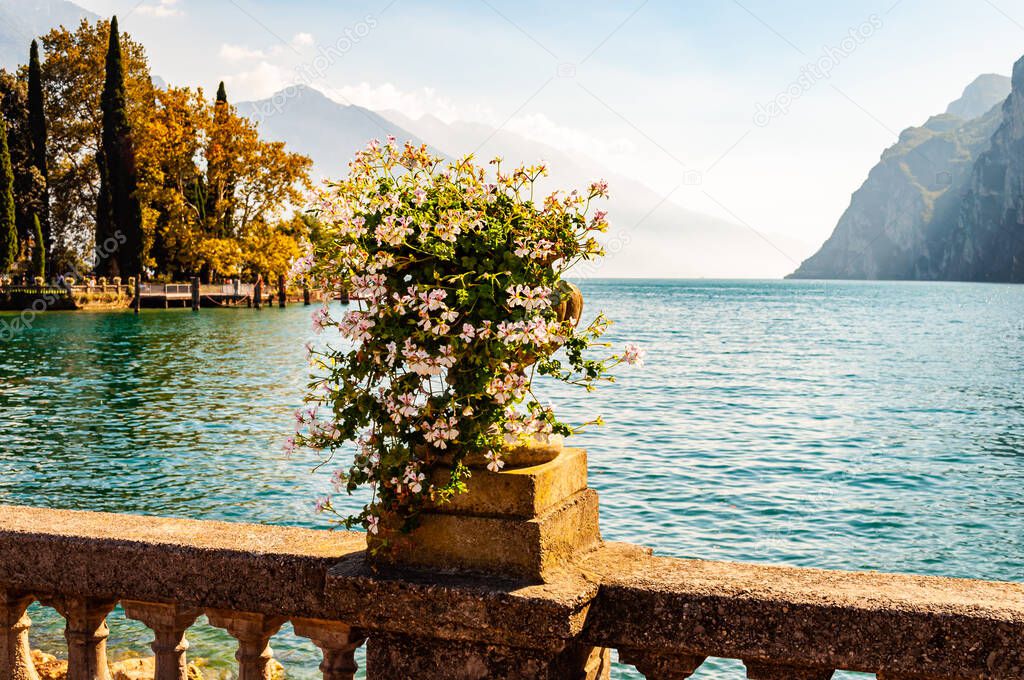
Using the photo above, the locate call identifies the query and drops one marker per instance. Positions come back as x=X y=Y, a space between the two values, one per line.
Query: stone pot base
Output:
x=524 y=524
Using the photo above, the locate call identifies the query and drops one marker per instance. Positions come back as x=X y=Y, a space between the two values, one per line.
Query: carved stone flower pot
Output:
x=525 y=523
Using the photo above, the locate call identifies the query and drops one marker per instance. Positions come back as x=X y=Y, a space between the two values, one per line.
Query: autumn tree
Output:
x=73 y=76
x=118 y=207
x=218 y=189
x=8 y=229
x=169 y=153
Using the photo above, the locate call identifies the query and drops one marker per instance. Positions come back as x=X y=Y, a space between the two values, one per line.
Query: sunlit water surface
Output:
x=865 y=426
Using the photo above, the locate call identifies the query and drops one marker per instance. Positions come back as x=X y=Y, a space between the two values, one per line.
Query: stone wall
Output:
x=664 y=616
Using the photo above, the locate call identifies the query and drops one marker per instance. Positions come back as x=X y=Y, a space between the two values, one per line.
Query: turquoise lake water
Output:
x=865 y=426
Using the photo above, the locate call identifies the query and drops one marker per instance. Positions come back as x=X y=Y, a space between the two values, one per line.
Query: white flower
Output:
x=529 y=298
x=414 y=479
x=494 y=461
x=373 y=524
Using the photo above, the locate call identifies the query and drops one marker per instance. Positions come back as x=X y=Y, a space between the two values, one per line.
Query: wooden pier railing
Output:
x=664 y=616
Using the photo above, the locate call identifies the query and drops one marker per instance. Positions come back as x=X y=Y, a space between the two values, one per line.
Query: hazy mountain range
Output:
x=23 y=20
x=945 y=202
x=649 y=235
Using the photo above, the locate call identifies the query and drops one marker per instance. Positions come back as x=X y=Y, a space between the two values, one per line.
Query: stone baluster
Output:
x=168 y=623
x=337 y=641
x=661 y=666
x=15 y=655
x=253 y=632
x=758 y=670
x=86 y=633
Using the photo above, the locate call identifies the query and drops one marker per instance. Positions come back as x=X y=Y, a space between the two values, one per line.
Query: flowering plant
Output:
x=461 y=302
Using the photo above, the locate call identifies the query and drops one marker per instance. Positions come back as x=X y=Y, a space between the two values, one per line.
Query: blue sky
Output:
x=651 y=89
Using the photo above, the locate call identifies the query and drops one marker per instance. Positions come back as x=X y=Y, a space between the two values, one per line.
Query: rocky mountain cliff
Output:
x=986 y=243
x=901 y=222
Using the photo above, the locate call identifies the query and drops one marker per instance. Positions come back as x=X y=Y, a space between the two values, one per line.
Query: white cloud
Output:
x=414 y=104
x=534 y=126
x=163 y=9
x=302 y=40
x=239 y=52
x=540 y=128
x=260 y=81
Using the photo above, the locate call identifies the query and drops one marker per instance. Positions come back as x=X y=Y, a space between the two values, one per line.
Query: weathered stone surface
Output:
x=656 y=666
x=398 y=657
x=528 y=549
x=519 y=492
x=897 y=624
x=199 y=563
x=460 y=607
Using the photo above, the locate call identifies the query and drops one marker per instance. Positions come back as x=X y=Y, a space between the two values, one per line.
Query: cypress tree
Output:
x=119 y=213
x=37 y=134
x=39 y=252
x=8 y=227
x=220 y=114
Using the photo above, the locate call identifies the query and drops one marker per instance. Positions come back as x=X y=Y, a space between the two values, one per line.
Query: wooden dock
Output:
x=167 y=295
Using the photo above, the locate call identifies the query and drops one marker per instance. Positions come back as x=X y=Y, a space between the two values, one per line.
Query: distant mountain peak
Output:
x=312 y=123
x=981 y=95
x=1018 y=75
x=20 y=22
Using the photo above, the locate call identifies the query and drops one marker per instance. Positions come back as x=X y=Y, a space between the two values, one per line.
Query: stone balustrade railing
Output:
x=664 y=616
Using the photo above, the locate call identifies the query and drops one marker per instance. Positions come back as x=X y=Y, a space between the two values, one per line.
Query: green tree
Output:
x=119 y=211
x=28 y=182
x=37 y=138
x=39 y=251
x=8 y=228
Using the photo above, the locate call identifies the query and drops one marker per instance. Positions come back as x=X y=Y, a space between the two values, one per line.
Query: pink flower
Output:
x=322 y=503
x=634 y=355
x=321 y=319
x=373 y=524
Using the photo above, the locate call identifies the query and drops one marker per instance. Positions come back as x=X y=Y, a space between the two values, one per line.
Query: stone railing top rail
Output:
x=655 y=610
